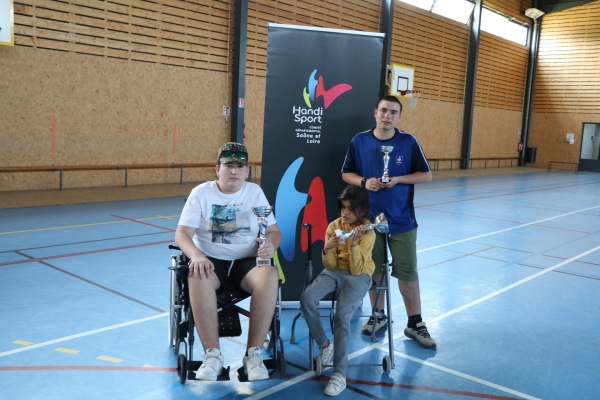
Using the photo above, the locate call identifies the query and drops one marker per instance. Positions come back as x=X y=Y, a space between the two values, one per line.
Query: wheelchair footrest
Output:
x=192 y=367
x=274 y=367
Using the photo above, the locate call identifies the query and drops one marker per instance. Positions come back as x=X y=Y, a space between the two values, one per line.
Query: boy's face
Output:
x=231 y=176
x=387 y=115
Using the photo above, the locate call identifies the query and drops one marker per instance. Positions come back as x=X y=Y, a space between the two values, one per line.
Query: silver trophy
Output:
x=262 y=213
x=381 y=224
x=386 y=159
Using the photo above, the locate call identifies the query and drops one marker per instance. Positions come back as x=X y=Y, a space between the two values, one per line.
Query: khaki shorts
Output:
x=403 y=247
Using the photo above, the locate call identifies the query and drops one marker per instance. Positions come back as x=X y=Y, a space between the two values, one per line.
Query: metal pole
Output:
x=470 y=85
x=60 y=183
x=387 y=25
x=181 y=175
x=534 y=41
x=238 y=89
x=126 y=173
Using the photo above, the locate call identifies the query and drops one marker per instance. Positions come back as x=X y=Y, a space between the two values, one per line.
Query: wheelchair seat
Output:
x=181 y=325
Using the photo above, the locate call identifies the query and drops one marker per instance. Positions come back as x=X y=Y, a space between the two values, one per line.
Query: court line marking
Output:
x=87 y=225
x=525 y=181
x=78 y=335
x=505 y=230
x=377 y=345
x=465 y=376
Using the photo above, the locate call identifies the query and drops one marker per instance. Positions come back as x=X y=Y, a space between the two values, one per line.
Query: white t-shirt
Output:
x=226 y=227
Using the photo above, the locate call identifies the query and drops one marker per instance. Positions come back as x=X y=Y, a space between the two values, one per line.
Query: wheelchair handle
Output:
x=309 y=231
x=171 y=247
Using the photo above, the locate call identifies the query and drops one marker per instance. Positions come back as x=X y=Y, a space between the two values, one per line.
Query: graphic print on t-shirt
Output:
x=224 y=225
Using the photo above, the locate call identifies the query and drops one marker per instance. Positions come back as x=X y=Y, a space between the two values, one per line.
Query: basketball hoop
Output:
x=413 y=97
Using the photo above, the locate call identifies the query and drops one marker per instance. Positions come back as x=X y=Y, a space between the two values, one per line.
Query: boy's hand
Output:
x=201 y=268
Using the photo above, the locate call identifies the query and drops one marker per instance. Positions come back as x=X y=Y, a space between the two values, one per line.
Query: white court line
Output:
x=357 y=353
x=469 y=377
x=78 y=335
x=505 y=230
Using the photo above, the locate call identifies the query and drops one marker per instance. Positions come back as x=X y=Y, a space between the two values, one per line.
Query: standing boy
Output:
x=407 y=165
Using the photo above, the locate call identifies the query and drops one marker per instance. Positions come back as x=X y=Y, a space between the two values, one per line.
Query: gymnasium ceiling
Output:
x=549 y=6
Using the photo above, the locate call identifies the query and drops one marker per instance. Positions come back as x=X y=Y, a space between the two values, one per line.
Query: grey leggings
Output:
x=350 y=291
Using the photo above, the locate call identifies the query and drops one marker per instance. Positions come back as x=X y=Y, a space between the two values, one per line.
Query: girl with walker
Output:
x=348 y=271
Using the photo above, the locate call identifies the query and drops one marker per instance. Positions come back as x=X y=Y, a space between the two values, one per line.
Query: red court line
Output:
x=83 y=253
x=84 y=368
x=145 y=223
x=423 y=388
x=507 y=194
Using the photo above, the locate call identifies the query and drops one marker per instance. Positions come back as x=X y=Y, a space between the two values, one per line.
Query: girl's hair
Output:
x=359 y=201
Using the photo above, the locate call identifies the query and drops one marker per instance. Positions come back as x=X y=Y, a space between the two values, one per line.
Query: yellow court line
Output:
x=244 y=390
x=111 y=359
x=65 y=350
x=87 y=225
x=23 y=342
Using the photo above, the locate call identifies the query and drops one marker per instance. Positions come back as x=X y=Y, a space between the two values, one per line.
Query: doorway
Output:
x=589 y=157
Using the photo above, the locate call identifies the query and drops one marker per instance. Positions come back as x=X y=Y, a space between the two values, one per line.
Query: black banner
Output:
x=322 y=86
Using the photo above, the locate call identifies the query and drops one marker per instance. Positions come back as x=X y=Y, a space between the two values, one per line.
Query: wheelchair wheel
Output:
x=268 y=343
x=387 y=365
x=175 y=329
x=174 y=314
x=282 y=364
x=182 y=368
x=318 y=366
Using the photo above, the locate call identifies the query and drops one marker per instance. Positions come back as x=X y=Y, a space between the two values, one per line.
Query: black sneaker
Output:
x=381 y=323
x=421 y=335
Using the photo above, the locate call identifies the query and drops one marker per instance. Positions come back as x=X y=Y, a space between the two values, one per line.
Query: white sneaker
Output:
x=326 y=353
x=211 y=367
x=253 y=365
x=337 y=383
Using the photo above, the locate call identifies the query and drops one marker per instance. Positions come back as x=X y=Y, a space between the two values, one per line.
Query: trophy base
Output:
x=262 y=262
x=385 y=179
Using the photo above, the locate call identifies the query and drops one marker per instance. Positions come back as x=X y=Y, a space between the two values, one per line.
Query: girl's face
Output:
x=348 y=214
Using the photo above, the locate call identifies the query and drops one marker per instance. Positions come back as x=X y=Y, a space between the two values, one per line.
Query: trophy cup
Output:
x=386 y=159
x=262 y=213
x=381 y=224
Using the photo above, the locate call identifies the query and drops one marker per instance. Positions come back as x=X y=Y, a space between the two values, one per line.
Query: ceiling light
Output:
x=534 y=13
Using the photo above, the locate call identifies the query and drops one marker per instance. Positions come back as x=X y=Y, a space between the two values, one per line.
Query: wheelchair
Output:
x=181 y=324
x=387 y=362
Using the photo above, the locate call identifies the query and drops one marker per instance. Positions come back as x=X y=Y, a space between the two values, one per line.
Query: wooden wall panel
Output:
x=511 y=8
x=361 y=15
x=548 y=135
x=568 y=72
x=501 y=73
x=436 y=47
x=191 y=34
x=107 y=111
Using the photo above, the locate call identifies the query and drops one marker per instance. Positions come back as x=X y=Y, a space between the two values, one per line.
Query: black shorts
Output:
x=233 y=271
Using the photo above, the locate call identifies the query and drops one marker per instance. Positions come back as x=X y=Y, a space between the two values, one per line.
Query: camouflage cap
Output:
x=233 y=152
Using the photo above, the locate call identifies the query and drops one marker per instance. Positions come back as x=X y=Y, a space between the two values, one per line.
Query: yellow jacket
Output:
x=356 y=259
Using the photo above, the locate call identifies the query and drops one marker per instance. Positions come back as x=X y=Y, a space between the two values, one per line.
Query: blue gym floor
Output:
x=510 y=286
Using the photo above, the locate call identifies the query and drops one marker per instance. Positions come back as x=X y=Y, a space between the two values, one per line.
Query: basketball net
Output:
x=413 y=97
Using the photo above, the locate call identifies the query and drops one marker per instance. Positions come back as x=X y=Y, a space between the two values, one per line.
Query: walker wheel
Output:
x=387 y=365
x=318 y=366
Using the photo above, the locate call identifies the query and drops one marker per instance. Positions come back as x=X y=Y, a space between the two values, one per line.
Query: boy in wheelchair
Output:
x=218 y=232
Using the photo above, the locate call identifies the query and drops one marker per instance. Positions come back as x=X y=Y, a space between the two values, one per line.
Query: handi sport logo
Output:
x=316 y=89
